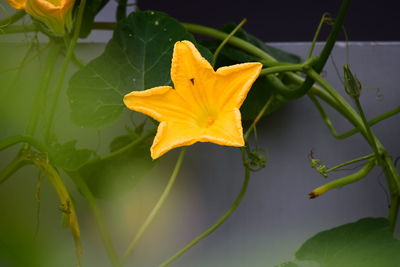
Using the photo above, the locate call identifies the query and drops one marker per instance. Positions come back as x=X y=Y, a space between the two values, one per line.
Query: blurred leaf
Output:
x=367 y=243
x=119 y=172
x=138 y=57
x=92 y=7
x=287 y=264
x=67 y=157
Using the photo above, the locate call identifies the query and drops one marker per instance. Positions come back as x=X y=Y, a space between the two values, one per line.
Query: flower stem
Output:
x=232 y=33
x=350 y=162
x=156 y=208
x=217 y=224
x=40 y=97
x=19 y=29
x=369 y=132
x=64 y=68
x=259 y=116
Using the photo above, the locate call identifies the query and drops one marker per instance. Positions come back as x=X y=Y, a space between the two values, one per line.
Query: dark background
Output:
x=286 y=21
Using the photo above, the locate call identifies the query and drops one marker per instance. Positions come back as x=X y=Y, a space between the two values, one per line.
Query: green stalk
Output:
x=104 y=234
x=369 y=132
x=375 y=120
x=350 y=162
x=238 y=199
x=12 y=140
x=64 y=68
x=321 y=23
x=19 y=29
x=156 y=208
x=40 y=98
x=337 y=102
x=232 y=33
x=352 y=178
x=259 y=116
x=217 y=224
x=11 y=168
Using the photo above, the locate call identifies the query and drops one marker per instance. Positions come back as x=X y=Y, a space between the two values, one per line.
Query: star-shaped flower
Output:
x=203 y=107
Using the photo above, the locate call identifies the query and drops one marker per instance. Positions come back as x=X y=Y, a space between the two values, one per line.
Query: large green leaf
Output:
x=365 y=243
x=138 y=57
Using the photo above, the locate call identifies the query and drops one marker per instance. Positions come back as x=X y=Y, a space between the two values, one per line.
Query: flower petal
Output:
x=234 y=82
x=227 y=130
x=191 y=74
x=161 y=103
x=171 y=135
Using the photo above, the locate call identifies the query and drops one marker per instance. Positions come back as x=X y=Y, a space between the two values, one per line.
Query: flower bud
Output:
x=55 y=14
x=17 y=4
x=352 y=85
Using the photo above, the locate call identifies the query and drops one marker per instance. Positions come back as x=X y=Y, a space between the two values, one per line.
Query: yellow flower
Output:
x=56 y=14
x=203 y=107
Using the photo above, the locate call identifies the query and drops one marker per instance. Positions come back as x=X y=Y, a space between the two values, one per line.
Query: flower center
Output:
x=206 y=119
x=210 y=120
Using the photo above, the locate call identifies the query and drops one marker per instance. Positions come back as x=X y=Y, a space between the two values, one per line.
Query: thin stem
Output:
x=217 y=224
x=64 y=68
x=259 y=116
x=123 y=149
x=239 y=198
x=321 y=23
x=12 y=19
x=104 y=234
x=11 y=168
x=156 y=208
x=235 y=41
x=377 y=119
x=369 y=132
x=343 y=181
x=232 y=33
x=40 y=97
x=12 y=140
x=19 y=29
x=350 y=162
x=391 y=173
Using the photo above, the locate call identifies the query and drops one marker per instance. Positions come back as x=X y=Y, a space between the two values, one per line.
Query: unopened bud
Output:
x=352 y=85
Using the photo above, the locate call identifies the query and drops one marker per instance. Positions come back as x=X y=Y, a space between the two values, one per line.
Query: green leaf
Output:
x=138 y=57
x=67 y=157
x=367 y=243
x=92 y=7
x=121 y=170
